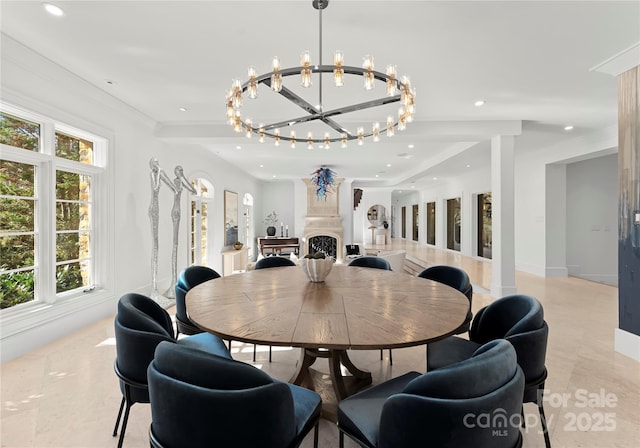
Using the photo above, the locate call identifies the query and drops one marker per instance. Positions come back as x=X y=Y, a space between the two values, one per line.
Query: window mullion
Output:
x=45 y=217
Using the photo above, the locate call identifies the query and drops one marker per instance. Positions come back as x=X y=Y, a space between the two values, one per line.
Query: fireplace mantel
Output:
x=323 y=217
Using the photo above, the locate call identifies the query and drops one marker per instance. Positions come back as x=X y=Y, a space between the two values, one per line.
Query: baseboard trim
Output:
x=627 y=344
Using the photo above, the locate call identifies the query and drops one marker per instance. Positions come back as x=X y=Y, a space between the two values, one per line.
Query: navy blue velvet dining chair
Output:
x=368 y=261
x=457 y=279
x=202 y=401
x=140 y=325
x=274 y=261
x=188 y=278
x=448 y=407
x=517 y=318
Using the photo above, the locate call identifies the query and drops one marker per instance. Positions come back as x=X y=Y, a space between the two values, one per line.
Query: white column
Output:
x=503 y=279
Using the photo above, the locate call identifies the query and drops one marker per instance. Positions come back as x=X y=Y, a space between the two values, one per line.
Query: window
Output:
x=199 y=233
x=48 y=184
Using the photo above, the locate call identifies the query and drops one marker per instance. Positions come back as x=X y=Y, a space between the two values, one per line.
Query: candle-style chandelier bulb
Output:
x=391 y=80
x=376 y=132
x=248 y=128
x=261 y=133
x=327 y=140
x=310 y=140
x=276 y=137
x=390 y=126
x=343 y=140
x=305 y=73
x=293 y=139
x=369 y=80
x=338 y=71
x=360 y=136
x=402 y=119
x=237 y=122
x=252 y=87
x=236 y=93
x=276 y=76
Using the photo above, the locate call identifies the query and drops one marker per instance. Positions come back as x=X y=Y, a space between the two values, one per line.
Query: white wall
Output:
x=537 y=232
x=370 y=196
x=592 y=224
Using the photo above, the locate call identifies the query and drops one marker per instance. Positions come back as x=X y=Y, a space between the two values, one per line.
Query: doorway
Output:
x=431 y=223
x=404 y=222
x=484 y=226
x=453 y=224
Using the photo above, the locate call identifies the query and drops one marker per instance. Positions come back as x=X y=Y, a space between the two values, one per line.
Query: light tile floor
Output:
x=66 y=393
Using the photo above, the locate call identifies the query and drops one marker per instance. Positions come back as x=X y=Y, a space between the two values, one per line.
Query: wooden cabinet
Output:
x=278 y=245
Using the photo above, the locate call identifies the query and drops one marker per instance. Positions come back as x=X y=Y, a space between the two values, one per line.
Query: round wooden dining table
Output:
x=355 y=308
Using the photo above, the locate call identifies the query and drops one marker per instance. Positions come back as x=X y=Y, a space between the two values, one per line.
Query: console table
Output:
x=234 y=260
x=276 y=244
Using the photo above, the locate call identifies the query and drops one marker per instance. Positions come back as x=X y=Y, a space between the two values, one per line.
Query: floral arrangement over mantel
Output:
x=323 y=179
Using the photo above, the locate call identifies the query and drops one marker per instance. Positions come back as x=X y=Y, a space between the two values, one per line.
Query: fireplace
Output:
x=325 y=244
x=323 y=224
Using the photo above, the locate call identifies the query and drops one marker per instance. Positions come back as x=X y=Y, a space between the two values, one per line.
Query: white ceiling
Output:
x=530 y=62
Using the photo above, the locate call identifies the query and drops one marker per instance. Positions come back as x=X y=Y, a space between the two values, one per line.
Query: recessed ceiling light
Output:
x=413 y=186
x=377 y=175
x=411 y=146
x=238 y=147
x=274 y=176
x=468 y=166
x=435 y=178
x=568 y=128
x=53 y=9
x=182 y=109
x=388 y=165
x=261 y=166
x=479 y=103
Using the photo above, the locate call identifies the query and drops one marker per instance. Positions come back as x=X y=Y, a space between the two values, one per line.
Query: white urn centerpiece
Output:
x=316 y=266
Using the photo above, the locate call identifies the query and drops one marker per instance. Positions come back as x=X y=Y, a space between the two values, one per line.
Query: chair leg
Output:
x=254 y=352
x=522 y=416
x=229 y=344
x=115 y=428
x=341 y=438
x=381 y=354
x=124 y=424
x=315 y=434
x=543 y=418
x=269 y=353
x=390 y=358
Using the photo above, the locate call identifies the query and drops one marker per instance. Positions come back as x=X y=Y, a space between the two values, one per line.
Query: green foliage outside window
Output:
x=18 y=211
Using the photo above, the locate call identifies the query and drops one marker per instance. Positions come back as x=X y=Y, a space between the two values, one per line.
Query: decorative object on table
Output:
x=395 y=91
x=270 y=220
x=317 y=266
x=237 y=245
x=323 y=179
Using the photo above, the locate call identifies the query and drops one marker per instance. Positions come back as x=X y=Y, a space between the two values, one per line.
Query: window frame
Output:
x=15 y=318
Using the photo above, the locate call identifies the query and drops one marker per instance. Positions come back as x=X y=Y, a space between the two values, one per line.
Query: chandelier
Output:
x=396 y=91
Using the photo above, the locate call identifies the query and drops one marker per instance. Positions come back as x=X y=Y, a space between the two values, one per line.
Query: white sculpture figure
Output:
x=157 y=176
x=179 y=183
